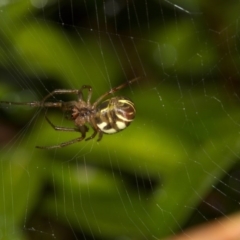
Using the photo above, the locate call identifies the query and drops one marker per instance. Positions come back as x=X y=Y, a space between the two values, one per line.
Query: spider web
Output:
x=176 y=166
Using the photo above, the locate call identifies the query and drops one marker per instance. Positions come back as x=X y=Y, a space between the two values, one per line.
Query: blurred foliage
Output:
x=147 y=181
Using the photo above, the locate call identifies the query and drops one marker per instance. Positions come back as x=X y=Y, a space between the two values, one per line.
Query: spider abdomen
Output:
x=114 y=115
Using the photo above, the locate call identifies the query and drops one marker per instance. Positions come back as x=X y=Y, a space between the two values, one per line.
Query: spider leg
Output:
x=113 y=90
x=60 y=91
x=64 y=144
x=67 y=91
x=43 y=103
x=58 y=128
x=80 y=96
x=82 y=129
x=93 y=135
x=100 y=136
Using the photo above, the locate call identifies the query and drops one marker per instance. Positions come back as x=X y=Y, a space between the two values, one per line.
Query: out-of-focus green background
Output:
x=175 y=166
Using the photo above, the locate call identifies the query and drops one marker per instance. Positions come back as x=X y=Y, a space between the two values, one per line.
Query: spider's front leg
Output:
x=60 y=91
x=80 y=95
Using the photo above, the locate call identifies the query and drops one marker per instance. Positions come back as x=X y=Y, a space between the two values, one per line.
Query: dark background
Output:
x=177 y=165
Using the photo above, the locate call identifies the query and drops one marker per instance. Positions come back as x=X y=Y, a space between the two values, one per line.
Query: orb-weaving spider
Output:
x=110 y=116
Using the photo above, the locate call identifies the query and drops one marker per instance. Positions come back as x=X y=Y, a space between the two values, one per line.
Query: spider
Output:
x=109 y=116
